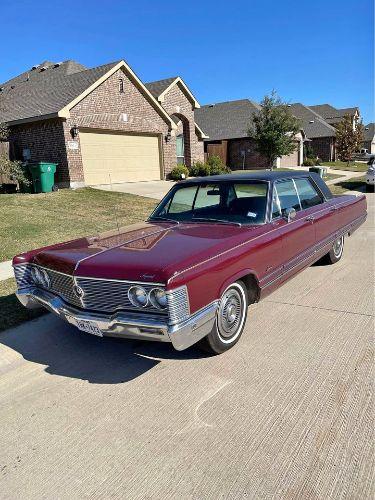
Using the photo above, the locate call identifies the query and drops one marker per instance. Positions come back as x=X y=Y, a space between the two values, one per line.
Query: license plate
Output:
x=88 y=327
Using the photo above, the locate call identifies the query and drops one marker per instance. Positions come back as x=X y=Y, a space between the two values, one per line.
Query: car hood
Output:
x=145 y=252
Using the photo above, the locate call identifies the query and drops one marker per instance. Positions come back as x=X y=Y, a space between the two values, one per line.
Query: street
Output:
x=286 y=414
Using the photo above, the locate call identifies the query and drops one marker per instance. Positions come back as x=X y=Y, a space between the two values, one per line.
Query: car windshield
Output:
x=237 y=202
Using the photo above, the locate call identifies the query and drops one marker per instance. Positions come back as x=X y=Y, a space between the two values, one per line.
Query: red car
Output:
x=211 y=247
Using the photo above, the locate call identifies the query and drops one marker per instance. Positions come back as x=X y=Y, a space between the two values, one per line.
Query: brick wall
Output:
x=177 y=103
x=107 y=109
x=45 y=140
x=251 y=159
x=323 y=147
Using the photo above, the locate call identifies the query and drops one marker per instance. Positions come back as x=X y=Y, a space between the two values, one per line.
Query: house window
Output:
x=121 y=86
x=180 y=149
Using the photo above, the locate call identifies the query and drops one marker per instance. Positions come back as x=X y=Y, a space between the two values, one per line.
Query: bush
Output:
x=13 y=171
x=179 y=172
x=213 y=166
x=199 y=169
x=308 y=162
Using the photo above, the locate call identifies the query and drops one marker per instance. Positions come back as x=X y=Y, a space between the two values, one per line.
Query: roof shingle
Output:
x=156 y=88
x=47 y=93
x=226 y=120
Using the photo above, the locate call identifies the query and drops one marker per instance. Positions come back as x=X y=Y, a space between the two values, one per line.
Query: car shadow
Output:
x=67 y=352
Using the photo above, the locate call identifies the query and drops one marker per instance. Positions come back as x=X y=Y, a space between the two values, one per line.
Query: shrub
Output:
x=179 y=172
x=200 y=169
x=13 y=171
x=308 y=162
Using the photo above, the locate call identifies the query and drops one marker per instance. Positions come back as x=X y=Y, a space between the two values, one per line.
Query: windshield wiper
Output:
x=160 y=217
x=219 y=221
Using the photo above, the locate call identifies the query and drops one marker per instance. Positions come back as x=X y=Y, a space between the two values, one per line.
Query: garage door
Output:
x=121 y=157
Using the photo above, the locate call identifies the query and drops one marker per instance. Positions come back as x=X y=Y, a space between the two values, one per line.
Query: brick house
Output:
x=320 y=134
x=227 y=125
x=100 y=125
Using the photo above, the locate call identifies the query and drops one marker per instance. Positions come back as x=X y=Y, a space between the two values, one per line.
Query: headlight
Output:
x=40 y=277
x=138 y=296
x=158 y=298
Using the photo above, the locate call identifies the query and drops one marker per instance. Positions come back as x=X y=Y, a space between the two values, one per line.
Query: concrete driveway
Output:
x=286 y=414
x=150 y=189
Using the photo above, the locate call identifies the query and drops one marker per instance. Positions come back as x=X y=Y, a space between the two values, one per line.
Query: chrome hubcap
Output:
x=230 y=313
x=337 y=247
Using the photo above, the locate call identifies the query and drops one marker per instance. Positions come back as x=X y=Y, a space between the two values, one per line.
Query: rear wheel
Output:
x=335 y=254
x=230 y=320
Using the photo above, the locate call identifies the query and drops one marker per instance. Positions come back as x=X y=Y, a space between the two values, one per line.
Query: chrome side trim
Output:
x=129 y=325
x=324 y=244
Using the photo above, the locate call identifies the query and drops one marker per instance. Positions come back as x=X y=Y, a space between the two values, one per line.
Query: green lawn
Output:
x=34 y=220
x=12 y=313
x=353 y=184
x=342 y=165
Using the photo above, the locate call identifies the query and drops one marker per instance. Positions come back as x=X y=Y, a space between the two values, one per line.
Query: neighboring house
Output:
x=333 y=116
x=320 y=134
x=369 y=138
x=100 y=125
x=227 y=125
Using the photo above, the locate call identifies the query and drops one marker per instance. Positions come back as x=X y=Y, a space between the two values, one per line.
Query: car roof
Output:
x=266 y=175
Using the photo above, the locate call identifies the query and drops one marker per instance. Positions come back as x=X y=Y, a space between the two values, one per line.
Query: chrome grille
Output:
x=105 y=295
x=178 y=305
x=61 y=284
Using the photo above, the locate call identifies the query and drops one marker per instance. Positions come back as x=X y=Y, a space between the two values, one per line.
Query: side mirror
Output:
x=290 y=214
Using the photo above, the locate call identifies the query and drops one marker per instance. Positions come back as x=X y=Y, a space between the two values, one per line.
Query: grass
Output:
x=34 y=220
x=354 y=184
x=12 y=313
x=342 y=165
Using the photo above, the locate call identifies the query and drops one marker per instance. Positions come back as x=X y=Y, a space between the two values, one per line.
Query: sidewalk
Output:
x=6 y=270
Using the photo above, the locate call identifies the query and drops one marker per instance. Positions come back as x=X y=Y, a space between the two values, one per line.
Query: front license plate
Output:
x=88 y=326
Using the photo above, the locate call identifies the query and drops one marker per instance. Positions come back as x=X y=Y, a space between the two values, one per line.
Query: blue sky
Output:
x=313 y=52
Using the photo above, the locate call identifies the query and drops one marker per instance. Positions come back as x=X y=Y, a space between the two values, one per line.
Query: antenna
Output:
x=110 y=181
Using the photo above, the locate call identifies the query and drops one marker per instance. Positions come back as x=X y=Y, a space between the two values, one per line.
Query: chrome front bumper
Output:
x=128 y=325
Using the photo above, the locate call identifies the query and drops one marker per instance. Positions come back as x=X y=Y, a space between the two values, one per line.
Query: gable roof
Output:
x=160 y=88
x=369 y=132
x=226 y=120
x=333 y=115
x=54 y=94
x=312 y=123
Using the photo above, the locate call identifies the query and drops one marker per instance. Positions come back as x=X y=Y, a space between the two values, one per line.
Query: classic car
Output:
x=212 y=247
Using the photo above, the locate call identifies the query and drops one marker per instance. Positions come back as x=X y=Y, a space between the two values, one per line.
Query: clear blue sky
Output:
x=320 y=51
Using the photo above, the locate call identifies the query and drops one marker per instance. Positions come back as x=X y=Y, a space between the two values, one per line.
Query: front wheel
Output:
x=230 y=320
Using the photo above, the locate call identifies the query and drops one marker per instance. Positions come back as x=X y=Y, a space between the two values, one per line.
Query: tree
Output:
x=274 y=129
x=348 y=138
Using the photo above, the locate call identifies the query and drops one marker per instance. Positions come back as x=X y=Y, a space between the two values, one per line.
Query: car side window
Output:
x=182 y=200
x=308 y=195
x=287 y=196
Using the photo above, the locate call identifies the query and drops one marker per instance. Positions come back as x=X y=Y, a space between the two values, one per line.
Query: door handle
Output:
x=310 y=218
x=333 y=209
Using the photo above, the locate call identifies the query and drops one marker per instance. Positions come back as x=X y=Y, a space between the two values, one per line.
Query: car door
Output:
x=298 y=233
x=321 y=212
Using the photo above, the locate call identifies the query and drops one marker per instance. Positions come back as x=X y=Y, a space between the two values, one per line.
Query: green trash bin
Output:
x=43 y=174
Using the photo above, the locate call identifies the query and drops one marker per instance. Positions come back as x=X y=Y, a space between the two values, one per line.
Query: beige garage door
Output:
x=119 y=156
